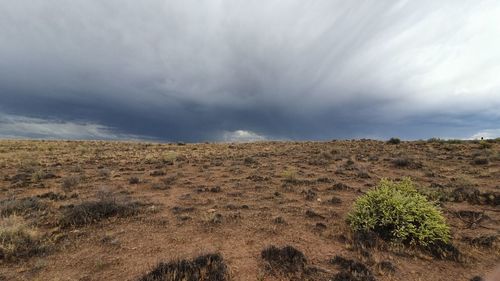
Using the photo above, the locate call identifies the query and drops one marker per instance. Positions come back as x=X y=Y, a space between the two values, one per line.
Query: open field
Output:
x=96 y=210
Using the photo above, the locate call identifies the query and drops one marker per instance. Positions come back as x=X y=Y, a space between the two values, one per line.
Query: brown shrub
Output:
x=94 y=211
x=17 y=239
x=210 y=267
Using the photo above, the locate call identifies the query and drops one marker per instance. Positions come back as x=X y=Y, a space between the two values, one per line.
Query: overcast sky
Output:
x=249 y=70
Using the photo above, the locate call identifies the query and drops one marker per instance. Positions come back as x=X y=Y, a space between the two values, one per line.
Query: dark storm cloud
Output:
x=221 y=70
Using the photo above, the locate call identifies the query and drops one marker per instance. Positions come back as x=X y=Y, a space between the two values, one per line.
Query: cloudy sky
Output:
x=249 y=70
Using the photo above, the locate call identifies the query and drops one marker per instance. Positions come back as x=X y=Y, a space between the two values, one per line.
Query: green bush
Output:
x=398 y=213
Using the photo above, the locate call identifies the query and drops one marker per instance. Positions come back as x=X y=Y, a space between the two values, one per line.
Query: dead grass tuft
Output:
x=287 y=260
x=351 y=270
x=94 y=211
x=210 y=267
x=20 y=206
x=17 y=239
x=70 y=182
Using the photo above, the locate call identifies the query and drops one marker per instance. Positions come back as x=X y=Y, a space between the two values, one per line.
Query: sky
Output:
x=239 y=70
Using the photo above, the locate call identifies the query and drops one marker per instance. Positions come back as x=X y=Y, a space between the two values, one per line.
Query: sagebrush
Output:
x=17 y=239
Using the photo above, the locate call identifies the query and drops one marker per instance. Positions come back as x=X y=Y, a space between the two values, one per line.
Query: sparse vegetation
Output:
x=169 y=157
x=17 y=239
x=386 y=266
x=238 y=197
x=28 y=162
x=157 y=173
x=212 y=218
x=290 y=175
x=480 y=161
x=397 y=212
x=446 y=141
x=250 y=161
x=94 y=211
x=134 y=180
x=485 y=145
x=168 y=181
x=40 y=175
x=289 y=263
x=20 y=206
x=483 y=240
x=287 y=260
x=335 y=200
x=351 y=270
x=474 y=196
x=406 y=162
x=70 y=182
x=434 y=140
x=210 y=267
x=394 y=141
x=104 y=173
x=401 y=162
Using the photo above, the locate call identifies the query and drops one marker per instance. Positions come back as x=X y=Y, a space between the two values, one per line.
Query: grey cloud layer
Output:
x=196 y=70
x=14 y=127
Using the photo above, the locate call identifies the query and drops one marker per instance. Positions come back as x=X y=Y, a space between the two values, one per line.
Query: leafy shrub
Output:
x=169 y=157
x=397 y=212
x=394 y=141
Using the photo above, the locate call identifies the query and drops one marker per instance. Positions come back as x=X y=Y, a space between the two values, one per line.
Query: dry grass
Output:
x=71 y=182
x=95 y=211
x=210 y=267
x=17 y=239
x=20 y=206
